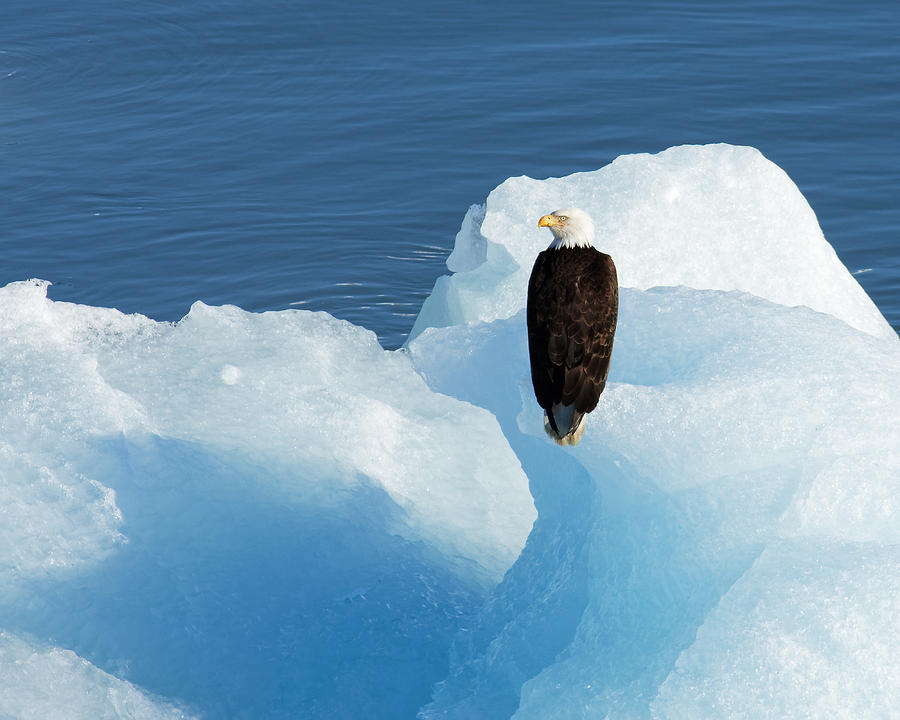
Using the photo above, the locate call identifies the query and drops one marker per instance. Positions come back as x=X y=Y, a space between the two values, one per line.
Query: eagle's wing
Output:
x=571 y=314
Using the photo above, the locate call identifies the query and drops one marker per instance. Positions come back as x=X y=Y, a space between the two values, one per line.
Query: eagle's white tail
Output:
x=570 y=423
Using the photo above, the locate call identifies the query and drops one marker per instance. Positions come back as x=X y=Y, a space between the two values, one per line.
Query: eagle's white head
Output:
x=571 y=228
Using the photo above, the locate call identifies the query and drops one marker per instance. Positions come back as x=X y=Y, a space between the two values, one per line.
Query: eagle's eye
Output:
x=562 y=217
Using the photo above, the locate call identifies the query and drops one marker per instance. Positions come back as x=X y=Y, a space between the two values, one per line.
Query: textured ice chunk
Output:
x=54 y=519
x=739 y=441
x=56 y=516
x=323 y=392
x=40 y=683
x=801 y=634
x=281 y=388
x=194 y=507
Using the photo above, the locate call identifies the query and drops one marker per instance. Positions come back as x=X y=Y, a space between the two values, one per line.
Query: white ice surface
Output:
x=185 y=504
x=724 y=541
x=717 y=217
x=279 y=389
x=40 y=683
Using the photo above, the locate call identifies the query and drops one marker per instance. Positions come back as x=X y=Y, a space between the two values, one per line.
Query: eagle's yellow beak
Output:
x=547 y=221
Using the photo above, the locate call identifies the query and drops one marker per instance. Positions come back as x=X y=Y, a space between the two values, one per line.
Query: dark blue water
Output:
x=321 y=155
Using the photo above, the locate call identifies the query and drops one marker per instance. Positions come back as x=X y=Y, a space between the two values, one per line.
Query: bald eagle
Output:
x=573 y=302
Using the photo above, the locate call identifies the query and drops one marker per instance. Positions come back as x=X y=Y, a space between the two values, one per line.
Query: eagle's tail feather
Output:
x=564 y=424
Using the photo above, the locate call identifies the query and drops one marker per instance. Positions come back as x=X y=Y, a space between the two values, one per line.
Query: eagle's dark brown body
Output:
x=573 y=302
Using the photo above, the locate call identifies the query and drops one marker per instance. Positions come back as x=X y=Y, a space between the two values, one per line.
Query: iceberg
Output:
x=724 y=542
x=268 y=515
x=245 y=513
